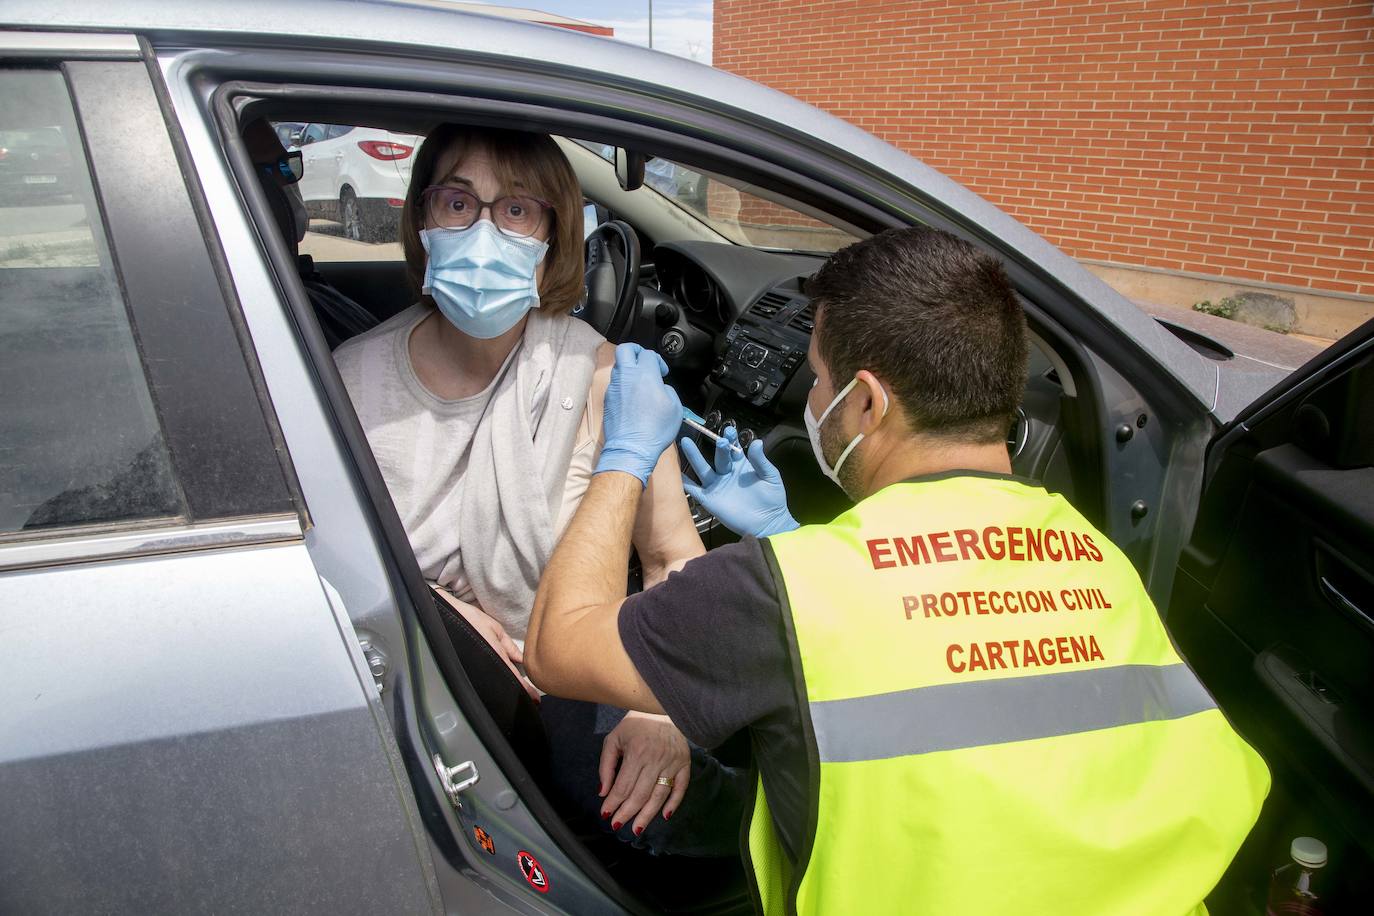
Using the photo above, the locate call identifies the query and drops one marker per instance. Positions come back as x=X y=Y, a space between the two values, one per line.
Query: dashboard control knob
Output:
x=756 y=386
x=746 y=436
x=666 y=314
x=713 y=420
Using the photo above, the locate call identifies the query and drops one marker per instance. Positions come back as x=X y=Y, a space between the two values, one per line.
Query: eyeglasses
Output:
x=457 y=208
x=287 y=169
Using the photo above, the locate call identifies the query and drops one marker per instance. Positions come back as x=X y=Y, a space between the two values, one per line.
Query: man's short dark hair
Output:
x=936 y=320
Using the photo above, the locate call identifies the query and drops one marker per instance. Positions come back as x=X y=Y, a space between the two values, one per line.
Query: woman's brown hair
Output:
x=533 y=161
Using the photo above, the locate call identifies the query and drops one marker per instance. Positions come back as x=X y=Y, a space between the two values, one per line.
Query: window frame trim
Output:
x=61 y=46
x=66 y=546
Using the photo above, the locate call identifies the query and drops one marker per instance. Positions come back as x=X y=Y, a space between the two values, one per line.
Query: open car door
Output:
x=1273 y=606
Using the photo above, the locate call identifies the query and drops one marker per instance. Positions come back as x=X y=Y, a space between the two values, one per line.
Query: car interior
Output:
x=1274 y=608
x=724 y=302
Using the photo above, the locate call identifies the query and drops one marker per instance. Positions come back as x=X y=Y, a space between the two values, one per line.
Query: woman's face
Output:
x=475 y=173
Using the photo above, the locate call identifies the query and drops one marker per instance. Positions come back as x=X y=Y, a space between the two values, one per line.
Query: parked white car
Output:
x=357 y=176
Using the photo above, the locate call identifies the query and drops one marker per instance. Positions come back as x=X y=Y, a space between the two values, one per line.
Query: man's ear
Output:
x=875 y=401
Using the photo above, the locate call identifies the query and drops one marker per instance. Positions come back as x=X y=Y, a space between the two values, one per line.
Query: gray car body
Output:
x=204 y=731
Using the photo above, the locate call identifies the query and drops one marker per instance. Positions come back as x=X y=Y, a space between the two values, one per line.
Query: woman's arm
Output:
x=664 y=534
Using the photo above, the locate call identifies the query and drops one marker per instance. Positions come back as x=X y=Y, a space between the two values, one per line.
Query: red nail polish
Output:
x=615 y=826
x=638 y=831
x=605 y=814
x=667 y=814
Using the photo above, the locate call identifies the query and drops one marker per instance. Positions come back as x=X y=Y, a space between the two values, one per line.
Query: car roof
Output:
x=376 y=25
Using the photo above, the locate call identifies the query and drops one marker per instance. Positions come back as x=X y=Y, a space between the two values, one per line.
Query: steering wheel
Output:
x=612 y=279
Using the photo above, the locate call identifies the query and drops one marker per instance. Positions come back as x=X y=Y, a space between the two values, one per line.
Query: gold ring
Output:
x=665 y=781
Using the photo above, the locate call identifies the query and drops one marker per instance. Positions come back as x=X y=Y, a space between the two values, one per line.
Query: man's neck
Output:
x=922 y=456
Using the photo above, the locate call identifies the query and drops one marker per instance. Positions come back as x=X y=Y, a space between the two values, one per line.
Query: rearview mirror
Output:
x=629 y=168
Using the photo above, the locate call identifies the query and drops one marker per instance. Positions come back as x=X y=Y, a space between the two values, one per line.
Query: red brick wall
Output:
x=1226 y=138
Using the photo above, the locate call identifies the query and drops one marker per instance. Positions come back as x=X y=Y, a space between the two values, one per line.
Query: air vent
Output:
x=805 y=320
x=768 y=305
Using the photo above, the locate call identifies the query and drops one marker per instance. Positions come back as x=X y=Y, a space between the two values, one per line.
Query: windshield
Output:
x=736 y=210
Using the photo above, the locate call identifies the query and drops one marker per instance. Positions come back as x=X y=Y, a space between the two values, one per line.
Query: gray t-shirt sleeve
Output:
x=710 y=643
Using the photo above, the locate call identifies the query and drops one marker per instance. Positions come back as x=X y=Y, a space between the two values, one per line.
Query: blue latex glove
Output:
x=744 y=491
x=642 y=414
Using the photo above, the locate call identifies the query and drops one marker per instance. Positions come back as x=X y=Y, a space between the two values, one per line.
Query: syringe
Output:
x=692 y=419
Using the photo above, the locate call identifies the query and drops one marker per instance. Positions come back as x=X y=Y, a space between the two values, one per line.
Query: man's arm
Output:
x=573 y=647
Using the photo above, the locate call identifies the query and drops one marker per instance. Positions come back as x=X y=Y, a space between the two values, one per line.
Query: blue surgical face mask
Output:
x=482 y=279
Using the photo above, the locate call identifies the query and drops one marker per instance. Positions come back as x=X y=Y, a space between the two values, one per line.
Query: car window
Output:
x=337 y=130
x=79 y=438
x=734 y=209
x=314 y=133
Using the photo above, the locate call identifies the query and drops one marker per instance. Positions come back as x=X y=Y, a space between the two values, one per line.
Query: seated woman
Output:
x=482 y=403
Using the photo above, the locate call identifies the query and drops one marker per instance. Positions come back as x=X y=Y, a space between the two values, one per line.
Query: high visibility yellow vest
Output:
x=998 y=720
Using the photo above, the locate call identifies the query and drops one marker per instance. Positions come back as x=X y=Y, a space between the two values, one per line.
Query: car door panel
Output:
x=317 y=178
x=196 y=726
x=1272 y=606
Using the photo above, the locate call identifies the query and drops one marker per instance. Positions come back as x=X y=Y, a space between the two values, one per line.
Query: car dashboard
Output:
x=734 y=325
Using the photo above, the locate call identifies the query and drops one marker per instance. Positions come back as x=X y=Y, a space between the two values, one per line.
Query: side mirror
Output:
x=629 y=168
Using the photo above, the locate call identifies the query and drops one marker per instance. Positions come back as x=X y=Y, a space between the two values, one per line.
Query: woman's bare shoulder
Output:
x=601 y=379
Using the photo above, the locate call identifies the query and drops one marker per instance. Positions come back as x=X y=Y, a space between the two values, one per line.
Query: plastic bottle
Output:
x=1293 y=891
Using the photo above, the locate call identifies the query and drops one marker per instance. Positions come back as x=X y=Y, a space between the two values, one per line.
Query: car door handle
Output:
x=1333 y=595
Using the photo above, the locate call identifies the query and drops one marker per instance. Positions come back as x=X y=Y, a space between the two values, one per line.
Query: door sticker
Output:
x=484 y=840
x=534 y=872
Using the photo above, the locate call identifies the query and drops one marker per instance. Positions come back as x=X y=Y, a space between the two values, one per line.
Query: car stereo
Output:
x=764 y=347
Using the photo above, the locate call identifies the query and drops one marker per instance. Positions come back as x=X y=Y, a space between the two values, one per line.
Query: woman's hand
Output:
x=645 y=747
x=496 y=636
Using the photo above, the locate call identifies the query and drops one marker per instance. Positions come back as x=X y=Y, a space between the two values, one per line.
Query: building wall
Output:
x=1228 y=139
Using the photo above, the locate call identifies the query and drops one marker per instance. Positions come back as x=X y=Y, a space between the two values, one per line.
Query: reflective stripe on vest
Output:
x=947 y=717
x=1000 y=722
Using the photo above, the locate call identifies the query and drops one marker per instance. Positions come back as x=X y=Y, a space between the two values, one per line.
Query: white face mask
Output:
x=813 y=431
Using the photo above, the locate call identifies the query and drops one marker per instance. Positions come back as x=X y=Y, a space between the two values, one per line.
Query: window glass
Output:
x=289 y=133
x=353 y=190
x=79 y=439
x=737 y=210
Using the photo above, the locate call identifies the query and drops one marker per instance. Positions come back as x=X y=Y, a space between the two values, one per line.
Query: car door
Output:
x=189 y=723
x=1274 y=607
x=317 y=180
